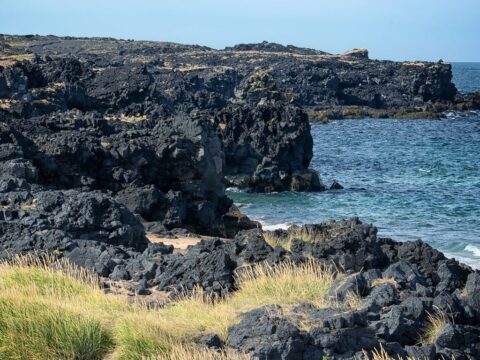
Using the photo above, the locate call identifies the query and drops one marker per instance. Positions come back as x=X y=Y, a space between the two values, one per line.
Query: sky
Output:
x=390 y=29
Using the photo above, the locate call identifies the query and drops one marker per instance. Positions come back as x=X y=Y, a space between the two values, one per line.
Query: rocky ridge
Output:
x=137 y=81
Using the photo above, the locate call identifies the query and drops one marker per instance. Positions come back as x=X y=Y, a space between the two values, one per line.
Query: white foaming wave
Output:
x=234 y=189
x=267 y=227
x=473 y=249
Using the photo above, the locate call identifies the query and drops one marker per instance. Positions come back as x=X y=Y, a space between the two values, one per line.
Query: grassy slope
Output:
x=63 y=314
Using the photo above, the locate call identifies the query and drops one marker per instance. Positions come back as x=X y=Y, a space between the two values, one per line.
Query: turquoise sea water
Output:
x=412 y=179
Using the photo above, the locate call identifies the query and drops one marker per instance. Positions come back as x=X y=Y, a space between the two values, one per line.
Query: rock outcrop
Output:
x=101 y=139
x=170 y=172
x=146 y=81
x=267 y=147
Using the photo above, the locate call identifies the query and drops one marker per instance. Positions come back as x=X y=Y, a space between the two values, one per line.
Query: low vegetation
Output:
x=383 y=281
x=127 y=118
x=51 y=309
x=195 y=353
x=9 y=60
x=435 y=323
x=6 y=104
x=381 y=354
x=284 y=240
x=355 y=112
x=40 y=102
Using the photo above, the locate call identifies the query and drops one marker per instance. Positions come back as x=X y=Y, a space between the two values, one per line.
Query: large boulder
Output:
x=48 y=220
x=267 y=148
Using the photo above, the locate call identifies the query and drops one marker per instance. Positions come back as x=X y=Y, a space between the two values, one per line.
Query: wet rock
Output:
x=336 y=186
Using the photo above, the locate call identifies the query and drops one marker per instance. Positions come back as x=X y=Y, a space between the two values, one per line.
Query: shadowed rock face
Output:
x=170 y=172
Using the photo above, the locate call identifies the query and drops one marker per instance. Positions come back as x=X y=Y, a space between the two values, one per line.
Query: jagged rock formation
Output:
x=101 y=139
x=143 y=81
x=267 y=148
x=400 y=284
x=170 y=172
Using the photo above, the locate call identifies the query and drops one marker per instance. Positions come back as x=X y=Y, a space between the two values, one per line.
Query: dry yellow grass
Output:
x=29 y=206
x=191 y=67
x=51 y=309
x=285 y=284
x=381 y=354
x=416 y=63
x=126 y=118
x=195 y=353
x=41 y=102
x=6 y=104
x=435 y=323
x=295 y=233
x=9 y=60
x=383 y=281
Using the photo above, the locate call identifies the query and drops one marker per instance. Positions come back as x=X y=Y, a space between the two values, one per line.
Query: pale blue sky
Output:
x=390 y=29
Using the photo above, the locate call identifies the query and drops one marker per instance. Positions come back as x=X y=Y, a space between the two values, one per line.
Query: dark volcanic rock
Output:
x=267 y=148
x=170 y=172
x=101 y=140
x=50 y=218
x=267 y=336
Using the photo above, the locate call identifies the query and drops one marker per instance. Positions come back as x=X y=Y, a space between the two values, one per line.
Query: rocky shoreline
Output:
x=104 y=143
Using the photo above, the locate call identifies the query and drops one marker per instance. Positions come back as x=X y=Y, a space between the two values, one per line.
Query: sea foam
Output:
x=473 y=249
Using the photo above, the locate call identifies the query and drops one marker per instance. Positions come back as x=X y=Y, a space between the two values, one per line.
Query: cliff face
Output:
x=153 y=81
x=162 y=128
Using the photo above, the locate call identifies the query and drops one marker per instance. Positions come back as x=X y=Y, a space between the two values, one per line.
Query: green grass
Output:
x=53 y=310
x=32 y=330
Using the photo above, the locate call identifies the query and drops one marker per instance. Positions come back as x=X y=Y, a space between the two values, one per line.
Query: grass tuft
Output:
x=285 y=241
x=381 y=354
x=197 y=353
x=34 y=330
x=258 y=285
x=435 y=323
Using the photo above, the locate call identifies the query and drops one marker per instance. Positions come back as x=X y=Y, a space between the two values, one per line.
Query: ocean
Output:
x=413 y=179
